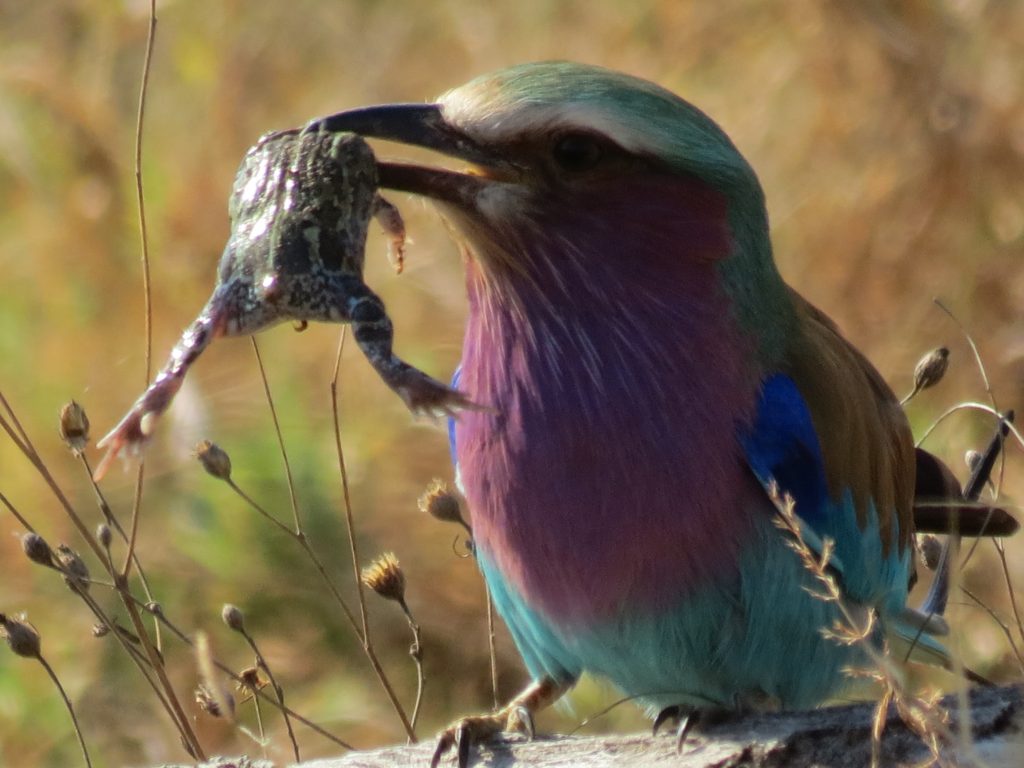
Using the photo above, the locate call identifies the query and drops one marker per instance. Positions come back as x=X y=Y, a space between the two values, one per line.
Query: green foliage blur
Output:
x=889 y=137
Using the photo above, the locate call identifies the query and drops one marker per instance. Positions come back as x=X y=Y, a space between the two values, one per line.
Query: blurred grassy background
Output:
x=889 y=138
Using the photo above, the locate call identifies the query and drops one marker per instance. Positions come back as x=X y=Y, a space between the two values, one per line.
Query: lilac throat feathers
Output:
x=580 y=391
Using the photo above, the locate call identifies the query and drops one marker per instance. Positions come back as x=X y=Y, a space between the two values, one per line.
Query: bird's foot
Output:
x=464 y=733
x=517 y=717
x=688 y=720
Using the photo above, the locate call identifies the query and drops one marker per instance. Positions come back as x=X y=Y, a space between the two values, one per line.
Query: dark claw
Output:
x=674 y=712
x=524 y=718
x=685 y=726
x=686 y=717
x=443 y=745
x=465 y=741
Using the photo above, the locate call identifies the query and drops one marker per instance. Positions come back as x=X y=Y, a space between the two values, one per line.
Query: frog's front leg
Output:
x=374 y=334
x=389 y=217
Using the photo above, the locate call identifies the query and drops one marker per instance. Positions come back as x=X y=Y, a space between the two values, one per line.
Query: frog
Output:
x=299 y=209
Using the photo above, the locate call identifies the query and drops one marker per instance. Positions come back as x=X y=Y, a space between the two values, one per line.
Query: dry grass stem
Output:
x=156 y=611
x=999 y=621
x=364 y=629
x=168 y=696
x=386 y=577
x=111 y=520
x=211 y=695
x=922 y=716
x=24 y=641
x=251 y=682
x=235 y=620
x=280 y=437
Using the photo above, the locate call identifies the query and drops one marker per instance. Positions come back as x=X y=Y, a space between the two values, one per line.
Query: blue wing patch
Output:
x=783 y=446
x=456 y=378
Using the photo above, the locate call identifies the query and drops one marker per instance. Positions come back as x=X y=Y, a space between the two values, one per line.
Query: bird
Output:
x=649 y=384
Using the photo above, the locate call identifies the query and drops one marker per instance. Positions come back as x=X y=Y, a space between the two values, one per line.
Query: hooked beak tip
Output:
x=420 y=125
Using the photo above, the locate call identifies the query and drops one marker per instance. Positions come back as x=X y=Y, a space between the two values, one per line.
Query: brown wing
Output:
x=865 y=438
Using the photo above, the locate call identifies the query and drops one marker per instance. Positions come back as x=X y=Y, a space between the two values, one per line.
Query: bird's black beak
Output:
x=420 y=125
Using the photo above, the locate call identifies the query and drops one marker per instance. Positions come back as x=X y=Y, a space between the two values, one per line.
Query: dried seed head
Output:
x=104 y=535
x=76 y=574
x=233 y=617
x=931 y=550
x=209 y=703
x=441 y=502
x=931 y=368
x=36 y=549
x=21 y=636
x=385 y=577
x=214 y=459
x=972 y=459
x=251 y=680
x=74 y=427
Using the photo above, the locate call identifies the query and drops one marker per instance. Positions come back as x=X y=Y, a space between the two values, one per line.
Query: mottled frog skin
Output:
x=300 y=210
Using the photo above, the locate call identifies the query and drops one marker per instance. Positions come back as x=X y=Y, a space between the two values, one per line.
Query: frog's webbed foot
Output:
x=424 y=394
x=135 y=429
x=374 y=333
x=516 y=717
x=138 y=424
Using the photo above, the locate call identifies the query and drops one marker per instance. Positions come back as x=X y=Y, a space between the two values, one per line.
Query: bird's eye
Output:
x=577 y=151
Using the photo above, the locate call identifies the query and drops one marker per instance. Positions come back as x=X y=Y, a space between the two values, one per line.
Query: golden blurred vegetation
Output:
x=889 y=137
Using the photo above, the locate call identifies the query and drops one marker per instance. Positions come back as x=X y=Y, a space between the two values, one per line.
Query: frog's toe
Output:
x=426 y=396
x=127 y=437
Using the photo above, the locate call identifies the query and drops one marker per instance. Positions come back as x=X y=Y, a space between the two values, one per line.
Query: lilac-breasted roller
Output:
x=645 y=375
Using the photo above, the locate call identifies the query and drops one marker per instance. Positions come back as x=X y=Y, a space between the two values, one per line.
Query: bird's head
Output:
x=597 y=179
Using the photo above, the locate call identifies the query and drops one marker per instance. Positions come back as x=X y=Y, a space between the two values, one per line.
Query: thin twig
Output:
x=18 y=516
x=972 y=406
x=278 y=690
x=310 y=552
x=1002 y=624
x=111 y=519
x=156 y=661
x=140 y=194
x=416 y=652
x=67 y=703
x=343 y=473
x=21 y=439
x=30 y=453
x=367 y=644
x=147 y=291
x=174 y=630
x=974 y=349
x=1001 y=550
x=280 y=437
x=303 y=541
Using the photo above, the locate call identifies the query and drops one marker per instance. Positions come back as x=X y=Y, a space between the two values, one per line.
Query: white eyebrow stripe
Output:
x=498 y=124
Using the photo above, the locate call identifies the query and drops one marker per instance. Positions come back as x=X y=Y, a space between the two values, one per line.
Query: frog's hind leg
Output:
x=374 y=334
